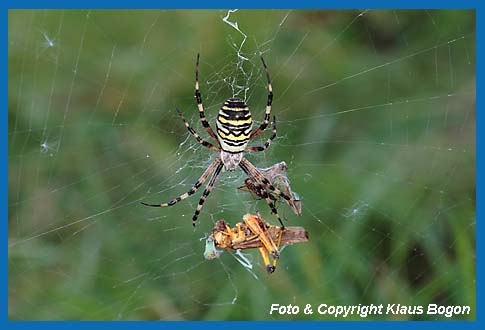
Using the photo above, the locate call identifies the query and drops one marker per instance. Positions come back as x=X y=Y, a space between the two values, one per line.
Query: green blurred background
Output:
x=376 y=113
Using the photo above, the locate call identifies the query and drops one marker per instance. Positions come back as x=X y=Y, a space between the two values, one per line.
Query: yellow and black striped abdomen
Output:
x=234 y=125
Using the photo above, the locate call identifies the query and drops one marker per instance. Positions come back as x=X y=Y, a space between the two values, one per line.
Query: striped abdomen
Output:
x=234 y=125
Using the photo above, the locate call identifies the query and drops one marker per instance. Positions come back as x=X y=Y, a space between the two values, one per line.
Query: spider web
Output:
x=376 y=121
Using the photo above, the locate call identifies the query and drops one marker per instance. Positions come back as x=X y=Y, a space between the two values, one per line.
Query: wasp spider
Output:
x=233 y=132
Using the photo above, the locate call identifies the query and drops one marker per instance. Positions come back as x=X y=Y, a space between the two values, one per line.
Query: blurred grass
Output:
x=388 y=188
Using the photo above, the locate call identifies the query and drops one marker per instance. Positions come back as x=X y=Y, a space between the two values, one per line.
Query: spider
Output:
x=233 y=132
x=254 y=232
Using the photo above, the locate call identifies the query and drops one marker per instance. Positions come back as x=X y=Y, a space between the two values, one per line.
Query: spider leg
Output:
x=264 y=181
x=207 y=191
x=275 y=260
x=194 y=133
x=272 y=206
x=198 y=98
x=202 y=179
x=268 y=142
x=265 y=123
x=263 y=192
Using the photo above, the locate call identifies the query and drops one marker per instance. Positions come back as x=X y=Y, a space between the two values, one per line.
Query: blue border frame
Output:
x=269 y=4
x=281 y=4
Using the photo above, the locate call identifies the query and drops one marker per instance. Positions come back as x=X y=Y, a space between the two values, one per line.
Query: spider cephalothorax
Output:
x=234 y=131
